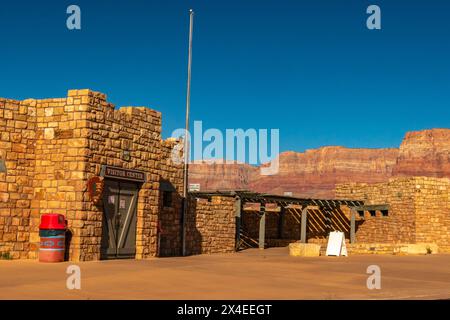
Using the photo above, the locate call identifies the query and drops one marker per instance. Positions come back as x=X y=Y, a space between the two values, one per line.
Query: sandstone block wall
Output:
x=432 y=202
x=399 y=225
x=17 y=157
x=109 y=133
x=419 y=210
x=392 y=248
x=170 y=240
x=211 y=225
x=51 y=147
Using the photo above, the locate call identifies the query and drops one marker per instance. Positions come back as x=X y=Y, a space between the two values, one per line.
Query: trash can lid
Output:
x=53 y=221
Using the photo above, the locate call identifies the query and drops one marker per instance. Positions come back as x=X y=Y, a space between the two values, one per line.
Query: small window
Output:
x=385 y=213
x=361 y=213
x=373 y=213
x=167 y=199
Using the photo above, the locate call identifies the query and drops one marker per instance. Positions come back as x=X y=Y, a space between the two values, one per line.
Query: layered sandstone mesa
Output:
x=315 y=172
x=216 y=175
x=424 y=153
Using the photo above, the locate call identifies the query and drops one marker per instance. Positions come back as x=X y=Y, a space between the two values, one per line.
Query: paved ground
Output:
x=251 y=274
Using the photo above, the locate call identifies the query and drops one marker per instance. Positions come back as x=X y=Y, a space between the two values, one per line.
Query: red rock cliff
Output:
x=220 y=176
x=314 y=173
x=424 y=153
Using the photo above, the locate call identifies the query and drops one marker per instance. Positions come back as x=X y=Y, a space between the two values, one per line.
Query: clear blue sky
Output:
x=310 y=68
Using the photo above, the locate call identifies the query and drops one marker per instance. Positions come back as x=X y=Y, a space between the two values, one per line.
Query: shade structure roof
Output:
x=284 y=201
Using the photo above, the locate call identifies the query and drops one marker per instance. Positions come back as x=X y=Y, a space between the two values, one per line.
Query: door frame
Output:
x=111 y=248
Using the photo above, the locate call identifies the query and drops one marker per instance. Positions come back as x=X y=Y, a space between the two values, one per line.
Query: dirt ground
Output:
x=250 y=274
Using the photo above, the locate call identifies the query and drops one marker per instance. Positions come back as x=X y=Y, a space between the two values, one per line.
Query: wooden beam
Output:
x=262 y=227
x=353 y=226
x=303 y=226
x=372 y=207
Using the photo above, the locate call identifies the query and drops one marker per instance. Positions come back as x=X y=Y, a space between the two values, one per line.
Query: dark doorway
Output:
x=119 y=220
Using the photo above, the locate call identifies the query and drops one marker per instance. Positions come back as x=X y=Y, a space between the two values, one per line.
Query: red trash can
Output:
x=52 y=232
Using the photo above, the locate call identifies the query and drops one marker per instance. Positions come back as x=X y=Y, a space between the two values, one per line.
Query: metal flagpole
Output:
x=186 y=133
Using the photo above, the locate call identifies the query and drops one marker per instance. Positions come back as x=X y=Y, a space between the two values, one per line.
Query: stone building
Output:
x=403 y=216
x=418 y=212
x=113 y=177
x=107 y=170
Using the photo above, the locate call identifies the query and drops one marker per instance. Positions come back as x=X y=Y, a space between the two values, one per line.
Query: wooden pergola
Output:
x=297 y=205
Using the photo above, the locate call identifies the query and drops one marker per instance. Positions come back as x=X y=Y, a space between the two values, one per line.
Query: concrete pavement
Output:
x=250 y=274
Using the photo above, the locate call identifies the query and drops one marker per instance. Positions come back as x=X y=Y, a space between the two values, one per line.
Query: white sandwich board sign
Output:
x=336 y=244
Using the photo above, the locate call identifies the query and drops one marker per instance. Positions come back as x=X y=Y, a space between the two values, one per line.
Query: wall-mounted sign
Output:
x=126 y=155
x=194 y=187
x=2 y=165
x=95 y=189
x=123 y=174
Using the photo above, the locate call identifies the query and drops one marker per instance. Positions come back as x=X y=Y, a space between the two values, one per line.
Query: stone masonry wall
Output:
x=432 y=202
x=74 y=137
x=170 y=240
x=52 y=147
x=419 y=210
x=110 y=133
x=211 y=225
x=399 y=225
x=17 y=145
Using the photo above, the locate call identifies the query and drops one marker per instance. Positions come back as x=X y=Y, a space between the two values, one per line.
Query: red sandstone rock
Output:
x=315 y=172
x=214 y=175
x=425 y=153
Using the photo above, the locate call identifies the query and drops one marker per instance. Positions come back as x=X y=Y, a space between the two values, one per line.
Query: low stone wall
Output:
x=396 y=249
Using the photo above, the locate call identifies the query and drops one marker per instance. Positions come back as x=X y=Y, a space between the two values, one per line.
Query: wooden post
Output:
x=304 y=224
x=353 y=226
x=238 y=212
x=262 y=226
x=281 y=222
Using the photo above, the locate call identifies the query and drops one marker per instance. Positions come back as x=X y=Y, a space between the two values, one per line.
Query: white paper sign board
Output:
x=193 y=187
x=336 y=244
